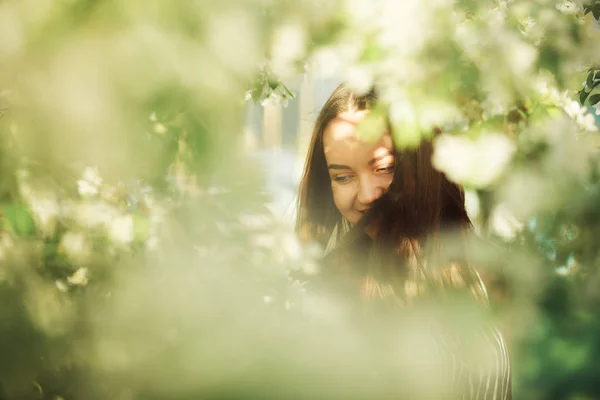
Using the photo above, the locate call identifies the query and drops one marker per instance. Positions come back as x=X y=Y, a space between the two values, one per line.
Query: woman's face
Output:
x=360 y=172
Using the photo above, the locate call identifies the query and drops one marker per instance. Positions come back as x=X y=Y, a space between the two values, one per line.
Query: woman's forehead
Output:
x=340 y=138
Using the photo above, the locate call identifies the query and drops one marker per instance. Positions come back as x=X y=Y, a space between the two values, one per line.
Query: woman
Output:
x=380 y=214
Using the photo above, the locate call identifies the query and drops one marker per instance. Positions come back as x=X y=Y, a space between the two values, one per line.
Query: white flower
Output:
x=521 y=57
x=273 y=99
x=504 y=224
x=568 y=7
x=492 y=106
x=86 y=189
x=61 y=286
x=120 y=230
x=291 y=247
x=327 y=61
x=289 y=45
x=93 y=214
x=160 y=128
x=573 y=109
x=474 y=163
x=597 y=108
x=472 y=204
x=549 y=93
x=76 y=247
x=90 y=183
x=310 y=268
x=580 y=114
x=587 y=122
x=79 y=278
x=359 y=78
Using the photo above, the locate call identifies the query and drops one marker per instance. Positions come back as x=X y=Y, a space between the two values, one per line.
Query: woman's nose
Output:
x=369 y=191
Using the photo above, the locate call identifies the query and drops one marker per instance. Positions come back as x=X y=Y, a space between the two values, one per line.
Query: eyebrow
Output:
x=373 y=161
x=337 y=166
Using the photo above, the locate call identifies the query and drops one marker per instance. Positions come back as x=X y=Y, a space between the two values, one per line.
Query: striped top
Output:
x=488 y=379
x=478 y=366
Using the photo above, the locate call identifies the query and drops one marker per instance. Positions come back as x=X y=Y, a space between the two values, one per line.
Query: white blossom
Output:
x=159 y=128
x=310 y=268
x=474 y=163
x=93 y=214
x=90 y=183
x=472 y=204
x=568 y=7
x=120 y=230
x=359 y=78
x=76 y=247
x=521 y=56
x=79 y=278
x=291 y=246
x=493 y=106
x=289 y=45
x=580 y=114
x=61 y=285
x=549 y=93
x=327 y=61
x=503 y=222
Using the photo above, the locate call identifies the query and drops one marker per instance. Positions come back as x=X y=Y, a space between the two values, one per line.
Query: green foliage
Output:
x=18 y=220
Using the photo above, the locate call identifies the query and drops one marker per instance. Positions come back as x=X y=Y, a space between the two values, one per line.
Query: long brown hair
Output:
x=418 y=206
x=317 y=214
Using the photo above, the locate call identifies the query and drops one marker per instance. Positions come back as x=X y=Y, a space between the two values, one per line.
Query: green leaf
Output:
x=589 y=82
x=596 y=11
x=256 y=95
x=287 y=91
x=373 y=126
x=583 y=95
x=406 y=135
x=18 y=219
x=372 y=52
x=594 y=99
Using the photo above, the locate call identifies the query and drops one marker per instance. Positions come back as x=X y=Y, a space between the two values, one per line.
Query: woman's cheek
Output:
x=386 y=181
x=342 y=197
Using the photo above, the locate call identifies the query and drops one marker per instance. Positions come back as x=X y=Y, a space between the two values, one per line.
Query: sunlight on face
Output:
x=360 y=172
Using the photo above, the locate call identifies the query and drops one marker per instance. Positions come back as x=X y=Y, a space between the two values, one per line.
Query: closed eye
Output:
x=387 y=169
x=342 y=178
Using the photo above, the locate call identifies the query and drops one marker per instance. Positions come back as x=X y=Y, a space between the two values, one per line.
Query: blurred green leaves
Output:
x=373 y=126
x=17 y=218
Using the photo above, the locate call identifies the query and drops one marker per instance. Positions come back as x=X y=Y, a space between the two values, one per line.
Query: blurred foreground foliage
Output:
x=139 y=258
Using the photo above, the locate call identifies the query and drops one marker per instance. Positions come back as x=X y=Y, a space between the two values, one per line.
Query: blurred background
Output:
x=149 y=160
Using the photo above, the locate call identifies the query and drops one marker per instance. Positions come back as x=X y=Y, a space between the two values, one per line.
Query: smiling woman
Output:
x=382 y=215
x=360 y=172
